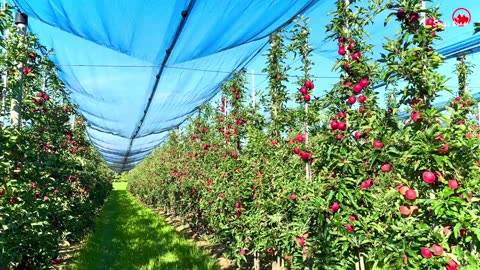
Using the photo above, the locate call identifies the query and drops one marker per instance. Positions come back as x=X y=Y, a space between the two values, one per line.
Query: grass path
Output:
x=130 y=236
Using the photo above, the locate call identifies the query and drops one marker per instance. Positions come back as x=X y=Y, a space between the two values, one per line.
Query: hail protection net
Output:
x=137 y=69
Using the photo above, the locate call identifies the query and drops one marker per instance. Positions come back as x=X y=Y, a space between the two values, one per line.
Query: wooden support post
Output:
x=3 y=111
x=424 y=6
x=256 y=261
x=21 y=20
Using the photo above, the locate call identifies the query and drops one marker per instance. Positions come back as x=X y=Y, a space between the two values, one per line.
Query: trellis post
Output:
x=3 y=111
x=21 y=20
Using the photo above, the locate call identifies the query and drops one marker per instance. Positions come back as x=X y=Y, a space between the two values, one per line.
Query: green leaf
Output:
x=456 y=229
x=438 y=160
x=477 y=232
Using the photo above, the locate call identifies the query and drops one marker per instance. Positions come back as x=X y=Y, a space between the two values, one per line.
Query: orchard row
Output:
x=52 y=181
x=335 y=182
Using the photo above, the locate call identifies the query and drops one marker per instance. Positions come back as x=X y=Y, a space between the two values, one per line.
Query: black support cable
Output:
x=180 y=27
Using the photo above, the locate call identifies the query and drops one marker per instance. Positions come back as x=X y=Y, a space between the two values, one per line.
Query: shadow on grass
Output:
x=131 y=236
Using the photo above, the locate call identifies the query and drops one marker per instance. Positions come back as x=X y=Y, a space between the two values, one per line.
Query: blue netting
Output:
x=137 y=69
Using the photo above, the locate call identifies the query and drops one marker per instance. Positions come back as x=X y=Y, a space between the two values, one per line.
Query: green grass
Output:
x=130 y=236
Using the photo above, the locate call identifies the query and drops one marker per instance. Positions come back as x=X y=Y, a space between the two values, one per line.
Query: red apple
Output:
x=364 y=82
x=309 y=84
x=349 y=227
x=26 y=70
x=366 y=184
x=451 y=265
x=415 y=101
x=437 y=250
x=351 y=46
x=414 y=17
x=357 y=88
x=340 y=137
x=429 y=177
x=386 y=167
x=305 y=155
x=293 y=196
x=341 y=51
x=301 y=241
x=411 y=195
x=342 y=125
x=300 y=138
x=334 y=124
x=362 y=99
x=361 y=109
x=426 y=253
x=306 y=98
x=453 y=184
x=430 y=22
x=335 y=206
x=416 y=116
x=352 y=100
x=303 y=90
x=377 y=144
x=356 y=56
x=404 y=210
x=296 y=151
x=400 y=14
x=442 y=151
x=357 y=135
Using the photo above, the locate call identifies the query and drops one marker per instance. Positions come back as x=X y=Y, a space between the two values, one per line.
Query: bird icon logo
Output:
x=461 y=17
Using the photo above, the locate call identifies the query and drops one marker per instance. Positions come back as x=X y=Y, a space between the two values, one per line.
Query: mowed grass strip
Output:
x=130 y=236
